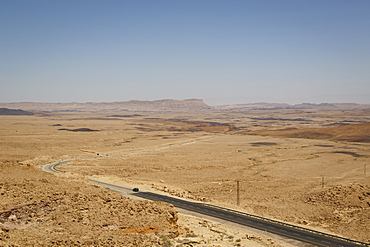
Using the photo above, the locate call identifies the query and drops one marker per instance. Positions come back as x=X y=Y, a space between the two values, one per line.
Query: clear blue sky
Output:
x=225 y=52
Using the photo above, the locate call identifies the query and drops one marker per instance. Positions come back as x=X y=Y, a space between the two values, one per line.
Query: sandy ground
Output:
x=319 y=184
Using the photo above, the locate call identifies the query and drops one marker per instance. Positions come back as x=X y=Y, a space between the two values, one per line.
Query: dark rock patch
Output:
x=348 y=153
x=282 y=119
x=324 y=145
x=133 y=115
x=19 y=112
x=257 y=144
x=80 y=130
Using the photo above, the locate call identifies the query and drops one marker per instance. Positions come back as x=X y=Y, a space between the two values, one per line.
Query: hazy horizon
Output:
x=224 y=52
x=96 y=102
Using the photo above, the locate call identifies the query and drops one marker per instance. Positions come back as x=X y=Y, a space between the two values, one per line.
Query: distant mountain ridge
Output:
x=282 y=106
x=173 y=105
x=132 y=105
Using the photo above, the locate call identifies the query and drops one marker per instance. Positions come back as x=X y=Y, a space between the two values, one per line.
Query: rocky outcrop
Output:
x=353 y=196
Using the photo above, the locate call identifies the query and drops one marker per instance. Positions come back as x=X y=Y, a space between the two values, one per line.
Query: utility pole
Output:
x=322 y=182
x=365 y=169
x=237 y=193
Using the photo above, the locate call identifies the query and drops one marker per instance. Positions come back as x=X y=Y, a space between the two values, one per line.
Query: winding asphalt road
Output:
x=301 y=234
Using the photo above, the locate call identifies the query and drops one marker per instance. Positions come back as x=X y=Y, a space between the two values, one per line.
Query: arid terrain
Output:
x=305 y=166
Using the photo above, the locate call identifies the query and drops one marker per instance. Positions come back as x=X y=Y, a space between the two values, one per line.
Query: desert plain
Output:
x=305 y=167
